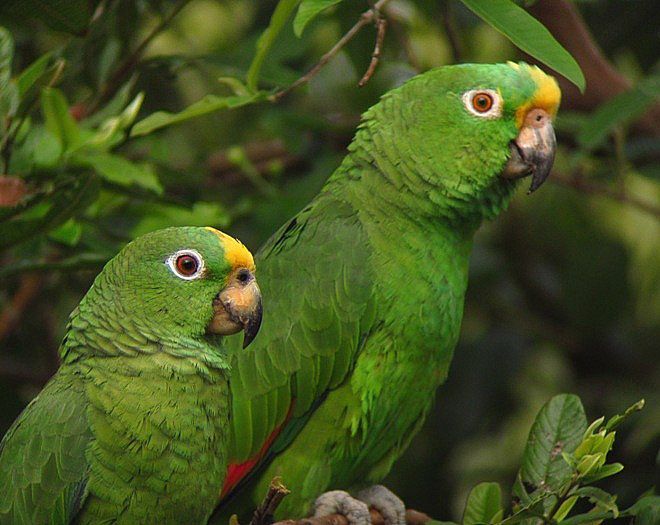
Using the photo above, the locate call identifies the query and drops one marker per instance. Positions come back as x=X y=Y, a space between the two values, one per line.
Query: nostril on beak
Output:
x=537 y=118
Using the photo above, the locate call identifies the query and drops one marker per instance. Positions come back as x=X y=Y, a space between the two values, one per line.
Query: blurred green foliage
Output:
x=123 y=116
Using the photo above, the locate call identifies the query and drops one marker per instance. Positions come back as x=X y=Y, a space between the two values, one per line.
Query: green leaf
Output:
x=32 y=80
x=604 y=500
x=558 y=428
x=279 y=18
x=6 y=57
x=588 y=517
x=58 y=119
x=68 y=233
x=121 y=171
x=483 y=504
x=529 y=35
x=308 y=11
x=622 y=109
x=603 y=472
x=616 y=420
x=564 y=509
x=646 y=510
x=32 y=73
x=110 y=131
x=8 y=92
x=71 y=16
x=208 y=104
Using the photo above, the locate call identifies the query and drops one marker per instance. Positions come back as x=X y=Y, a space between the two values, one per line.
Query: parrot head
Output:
x=468 y=131
x=190 y=281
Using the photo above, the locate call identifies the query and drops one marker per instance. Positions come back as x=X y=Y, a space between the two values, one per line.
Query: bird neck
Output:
x=395 y=168
x=103 y=326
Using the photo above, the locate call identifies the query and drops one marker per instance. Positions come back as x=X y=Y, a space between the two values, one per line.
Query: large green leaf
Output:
x=622 y=109
x=308 y=10
x=558 y=429
x=31 y=74
x=121 y=171
x=529 y=35
x=71 y=16
x=8 y=91
x=279 y=18
x=208 y=104
x=58 y=119
x=603 y=500
x=484 y=504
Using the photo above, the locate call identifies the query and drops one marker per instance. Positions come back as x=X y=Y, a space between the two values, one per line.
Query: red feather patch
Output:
x=237 y=471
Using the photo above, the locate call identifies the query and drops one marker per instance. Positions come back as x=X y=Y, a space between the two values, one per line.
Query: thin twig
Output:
x=582 y=184
x=365 y=19
x=264 y=513
x=381 y=26
x=111 y=86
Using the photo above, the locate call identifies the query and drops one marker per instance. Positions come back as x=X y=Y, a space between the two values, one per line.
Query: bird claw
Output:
x=341 y=502
x=356 y=509
x=389 y=505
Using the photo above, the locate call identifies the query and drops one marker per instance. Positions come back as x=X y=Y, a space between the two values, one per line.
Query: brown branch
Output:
x=604 y=82
x=264 y=513
x=381 y=26
x=580 y=183
x=365 y=19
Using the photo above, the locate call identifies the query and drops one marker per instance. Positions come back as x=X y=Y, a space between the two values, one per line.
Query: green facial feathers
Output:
x=365 y=286
x=133 y=428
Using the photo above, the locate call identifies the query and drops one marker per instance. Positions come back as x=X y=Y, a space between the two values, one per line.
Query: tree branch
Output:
x=381 y=26
x=365 y=19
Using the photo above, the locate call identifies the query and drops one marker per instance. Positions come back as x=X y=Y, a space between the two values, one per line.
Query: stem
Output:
x=365 y=19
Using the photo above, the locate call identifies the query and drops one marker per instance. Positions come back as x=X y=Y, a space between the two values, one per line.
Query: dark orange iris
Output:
x=482 y=102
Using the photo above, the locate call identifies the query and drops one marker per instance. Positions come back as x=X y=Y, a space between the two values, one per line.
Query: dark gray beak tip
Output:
x=252 y=324
x=533 y=151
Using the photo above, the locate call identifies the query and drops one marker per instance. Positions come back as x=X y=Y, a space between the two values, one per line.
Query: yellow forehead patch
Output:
x=236 y=254
x=547 y=95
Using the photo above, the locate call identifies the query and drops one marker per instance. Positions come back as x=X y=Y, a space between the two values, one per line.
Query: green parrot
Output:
x=365 y=288
x=134 y=426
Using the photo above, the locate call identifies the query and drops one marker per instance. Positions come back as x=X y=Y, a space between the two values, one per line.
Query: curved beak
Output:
x=238 y=307
x=533 y=150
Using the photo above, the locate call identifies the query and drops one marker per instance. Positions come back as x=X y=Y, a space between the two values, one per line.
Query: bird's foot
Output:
x=356 y=509
x=341 y=502
x=386 y=502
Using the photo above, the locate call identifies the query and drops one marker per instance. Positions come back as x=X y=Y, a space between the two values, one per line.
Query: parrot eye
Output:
x=483 y=103
x=186 y=264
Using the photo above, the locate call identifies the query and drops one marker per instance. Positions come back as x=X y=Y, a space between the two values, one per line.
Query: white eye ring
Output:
x=495 y=109
x=176 y=261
